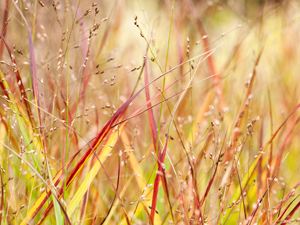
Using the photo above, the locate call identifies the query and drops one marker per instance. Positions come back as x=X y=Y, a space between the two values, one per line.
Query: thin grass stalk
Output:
x=2 y=209
x=246 y=179
x=4 y=26
x=156 y=183
x=65 y=153
x=20 y=84
x=211 y=64
x=38 y=174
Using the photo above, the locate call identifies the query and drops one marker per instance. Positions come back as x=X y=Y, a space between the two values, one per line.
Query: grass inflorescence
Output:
x=149 y=112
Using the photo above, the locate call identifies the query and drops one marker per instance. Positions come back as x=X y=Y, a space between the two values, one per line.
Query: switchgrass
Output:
x=149 y=112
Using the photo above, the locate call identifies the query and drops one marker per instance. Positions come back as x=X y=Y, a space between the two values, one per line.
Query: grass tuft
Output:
x=149 y=112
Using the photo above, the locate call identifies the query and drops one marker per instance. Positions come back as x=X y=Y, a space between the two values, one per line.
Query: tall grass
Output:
x=149 y=112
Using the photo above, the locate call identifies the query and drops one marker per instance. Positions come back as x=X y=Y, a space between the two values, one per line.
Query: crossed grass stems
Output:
x=198 y=214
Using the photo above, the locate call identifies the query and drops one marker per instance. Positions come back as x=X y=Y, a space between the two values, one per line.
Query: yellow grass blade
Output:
x=93 y=172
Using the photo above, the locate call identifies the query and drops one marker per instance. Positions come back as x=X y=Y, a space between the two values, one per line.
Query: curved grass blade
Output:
x=102 y=155
x=289 y=216
x=79 y=166
x=83 y=188
x=284 y=211
x=288 y=195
